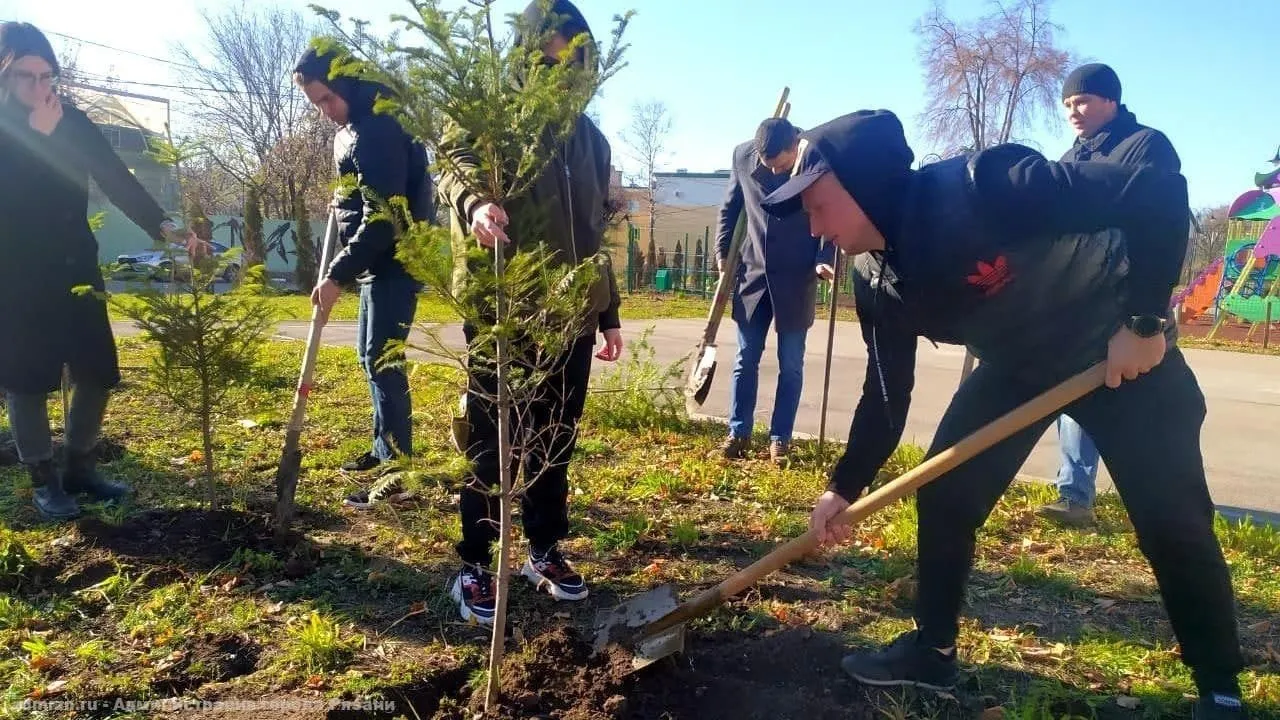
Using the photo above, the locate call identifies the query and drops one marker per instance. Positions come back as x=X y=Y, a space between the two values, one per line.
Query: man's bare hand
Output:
x=828 y=520
x=1129 y=356
x=488 y=224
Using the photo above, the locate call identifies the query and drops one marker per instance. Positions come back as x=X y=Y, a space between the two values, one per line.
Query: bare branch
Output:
x=991 y=77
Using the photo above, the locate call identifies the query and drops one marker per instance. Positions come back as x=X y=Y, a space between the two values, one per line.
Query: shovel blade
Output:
x=621 y=623
x=699 y=385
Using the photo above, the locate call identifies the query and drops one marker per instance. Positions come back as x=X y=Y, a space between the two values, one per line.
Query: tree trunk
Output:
x=206 y=433
x=305 y=252
x=501 y=575
x=255 y=251
x=206 y=401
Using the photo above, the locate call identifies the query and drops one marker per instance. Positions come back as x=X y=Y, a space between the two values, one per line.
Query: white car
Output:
x=156 y=264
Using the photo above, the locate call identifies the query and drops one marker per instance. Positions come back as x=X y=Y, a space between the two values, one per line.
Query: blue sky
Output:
x=1206 y=76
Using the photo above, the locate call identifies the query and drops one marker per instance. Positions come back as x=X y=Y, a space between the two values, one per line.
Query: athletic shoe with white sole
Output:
x=473 y=591
x=905 y=661
x=550 y=571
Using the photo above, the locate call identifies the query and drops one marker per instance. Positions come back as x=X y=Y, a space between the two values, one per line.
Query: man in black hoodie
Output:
x=564 y=210
x=375 y=150
x=1041 y=269
x=1106 y=132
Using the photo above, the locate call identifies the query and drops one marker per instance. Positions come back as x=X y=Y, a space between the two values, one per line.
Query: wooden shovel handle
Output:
x=1037 y=408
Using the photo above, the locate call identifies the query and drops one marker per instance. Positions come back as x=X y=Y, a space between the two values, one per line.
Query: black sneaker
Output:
x=551 y=571
x=363 y=463
x=1219 y=707
x=473 y=591
x=390 y=491
x=904 y=662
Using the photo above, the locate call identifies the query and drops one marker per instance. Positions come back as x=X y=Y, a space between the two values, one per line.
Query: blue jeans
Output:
x=746 y=376
x=387 y=306
x=1078 y=474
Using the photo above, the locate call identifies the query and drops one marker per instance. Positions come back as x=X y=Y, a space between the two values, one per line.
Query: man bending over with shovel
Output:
x=1042 y=269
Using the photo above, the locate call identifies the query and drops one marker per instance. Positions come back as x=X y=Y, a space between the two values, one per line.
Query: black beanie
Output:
x=1093 y=79
x=19 y=39
x=868 y=153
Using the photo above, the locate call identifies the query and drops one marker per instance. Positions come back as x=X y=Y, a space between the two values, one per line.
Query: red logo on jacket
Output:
x=991 y=277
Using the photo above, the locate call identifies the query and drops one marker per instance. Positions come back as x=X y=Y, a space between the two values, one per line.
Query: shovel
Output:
x=291 y=456
x=653 y=623
x=704 y=365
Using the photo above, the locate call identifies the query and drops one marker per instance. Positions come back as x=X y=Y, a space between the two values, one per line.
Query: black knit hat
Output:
x=775 y=135
x=868 y=153
x=19 y=39
x=1093 y=79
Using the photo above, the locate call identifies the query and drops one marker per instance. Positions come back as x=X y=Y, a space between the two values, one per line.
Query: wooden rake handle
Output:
x=1035 y=409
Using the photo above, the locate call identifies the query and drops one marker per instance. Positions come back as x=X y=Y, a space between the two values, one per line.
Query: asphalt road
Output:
x=1242 y=392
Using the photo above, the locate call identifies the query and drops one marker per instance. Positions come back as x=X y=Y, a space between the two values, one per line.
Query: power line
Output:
x=98 y=77
x=73 y=38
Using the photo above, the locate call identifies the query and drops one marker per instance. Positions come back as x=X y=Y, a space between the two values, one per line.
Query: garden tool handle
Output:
x=1037 y=408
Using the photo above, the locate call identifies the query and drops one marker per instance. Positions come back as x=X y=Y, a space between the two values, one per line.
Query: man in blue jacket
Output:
x=776 y=283
x=375 y=150
x=1041 y=269
x=1106 y=132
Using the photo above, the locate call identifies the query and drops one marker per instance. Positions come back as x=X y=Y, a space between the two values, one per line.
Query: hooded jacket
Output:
x=565 y=206
x=1124 y=141
x=384 y=159
x=1031 y=264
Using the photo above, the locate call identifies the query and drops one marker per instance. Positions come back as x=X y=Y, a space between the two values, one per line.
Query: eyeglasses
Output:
x=30 y=79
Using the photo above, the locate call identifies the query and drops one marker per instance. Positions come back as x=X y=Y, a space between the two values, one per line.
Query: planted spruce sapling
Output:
x=497 y=113
x=205 y=342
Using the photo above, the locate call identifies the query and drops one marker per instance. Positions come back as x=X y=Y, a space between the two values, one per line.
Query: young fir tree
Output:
x=494 y=112
x=205 y=342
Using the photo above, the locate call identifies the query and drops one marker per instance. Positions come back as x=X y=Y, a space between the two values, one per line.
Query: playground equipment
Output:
x=1251 y=261
x=1243 y=284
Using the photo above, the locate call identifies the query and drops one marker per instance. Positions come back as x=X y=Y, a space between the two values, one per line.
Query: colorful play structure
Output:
x=1242 y=285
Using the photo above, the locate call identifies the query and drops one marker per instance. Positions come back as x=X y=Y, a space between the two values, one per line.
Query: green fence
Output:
x=685 y=263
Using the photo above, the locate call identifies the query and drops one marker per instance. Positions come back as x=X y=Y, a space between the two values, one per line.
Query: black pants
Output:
x=1148 y=433
x=544 y=433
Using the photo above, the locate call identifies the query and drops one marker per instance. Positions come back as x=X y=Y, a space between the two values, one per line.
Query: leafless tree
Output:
x=248 y=107
x=300 y=169
x=646 y=138
x=208 y=186
x=989 y=79
x=1208 y=239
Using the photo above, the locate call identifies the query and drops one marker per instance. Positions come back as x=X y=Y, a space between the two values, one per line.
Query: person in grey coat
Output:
x=776 y=283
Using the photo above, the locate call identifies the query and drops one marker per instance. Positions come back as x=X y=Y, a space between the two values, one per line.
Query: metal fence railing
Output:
x=666 y=262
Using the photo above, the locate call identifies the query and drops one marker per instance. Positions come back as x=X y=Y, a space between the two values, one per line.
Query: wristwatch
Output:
x=1145 y=326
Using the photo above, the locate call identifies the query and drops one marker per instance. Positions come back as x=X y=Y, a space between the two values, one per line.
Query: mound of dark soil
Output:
x=791 y=673
x=555 y=676
x=196 y=538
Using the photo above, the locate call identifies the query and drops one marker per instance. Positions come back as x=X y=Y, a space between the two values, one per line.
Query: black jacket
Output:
x=778 y=253
x=48 y=249
x=1123 y=141
x=1031 y=264
x=563 y=209
x=375 y=149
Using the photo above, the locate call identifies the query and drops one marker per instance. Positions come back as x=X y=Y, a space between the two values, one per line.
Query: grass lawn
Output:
x=636 y=306
x=161 y=598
